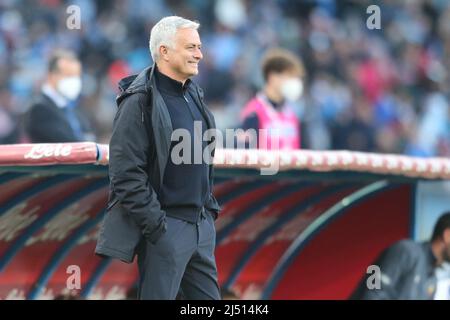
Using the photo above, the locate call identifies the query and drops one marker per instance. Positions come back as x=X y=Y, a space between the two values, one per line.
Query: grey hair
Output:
x=164 y=31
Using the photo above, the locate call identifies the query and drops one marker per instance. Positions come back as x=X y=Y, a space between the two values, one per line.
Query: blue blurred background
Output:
x=381 y=90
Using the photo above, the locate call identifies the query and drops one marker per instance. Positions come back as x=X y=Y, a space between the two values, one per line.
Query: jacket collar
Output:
x=169 y=85
x=145 y=82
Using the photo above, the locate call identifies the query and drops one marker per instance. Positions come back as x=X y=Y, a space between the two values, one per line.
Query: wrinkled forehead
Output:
x=186 y=36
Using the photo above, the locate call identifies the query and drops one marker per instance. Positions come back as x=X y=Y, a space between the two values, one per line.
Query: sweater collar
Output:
x=169 y=85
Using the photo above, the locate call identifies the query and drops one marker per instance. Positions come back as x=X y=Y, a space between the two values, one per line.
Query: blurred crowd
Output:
x=381 y=90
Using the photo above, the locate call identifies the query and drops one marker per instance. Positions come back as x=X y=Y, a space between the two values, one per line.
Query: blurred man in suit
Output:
x=52 y=116
x=408 y=268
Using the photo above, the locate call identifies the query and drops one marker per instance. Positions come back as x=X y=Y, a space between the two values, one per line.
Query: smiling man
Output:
x=161 y=209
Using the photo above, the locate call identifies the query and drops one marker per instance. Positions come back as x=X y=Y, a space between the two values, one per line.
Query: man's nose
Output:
x=198 y=54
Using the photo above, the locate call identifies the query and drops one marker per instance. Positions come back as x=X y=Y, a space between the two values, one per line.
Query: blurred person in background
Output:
x=10 y=132
x=52 y=116
x=409 y=269
x=270 y=109
x=388 y=71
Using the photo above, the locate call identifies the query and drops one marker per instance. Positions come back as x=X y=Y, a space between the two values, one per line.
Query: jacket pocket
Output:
x=118 y=233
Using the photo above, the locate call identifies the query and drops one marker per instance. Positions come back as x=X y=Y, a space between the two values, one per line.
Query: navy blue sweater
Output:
x=186 y=184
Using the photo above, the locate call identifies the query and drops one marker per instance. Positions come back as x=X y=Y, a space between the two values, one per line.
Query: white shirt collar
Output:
x=54 y=95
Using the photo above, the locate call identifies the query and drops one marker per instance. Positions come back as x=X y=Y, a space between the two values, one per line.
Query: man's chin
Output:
x=192 y=71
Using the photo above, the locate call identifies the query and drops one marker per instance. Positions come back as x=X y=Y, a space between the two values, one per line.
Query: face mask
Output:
x=69 y=87
x=292 y=89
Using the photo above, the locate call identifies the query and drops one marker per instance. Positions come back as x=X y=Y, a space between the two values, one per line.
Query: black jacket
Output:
x=138 y=154
x=407 y=273
x=45 y=122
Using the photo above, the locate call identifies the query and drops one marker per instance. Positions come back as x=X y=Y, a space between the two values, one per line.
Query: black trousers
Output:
x=183 y=258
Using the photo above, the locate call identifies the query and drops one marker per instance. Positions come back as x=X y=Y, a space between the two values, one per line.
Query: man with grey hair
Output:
x=159 y=209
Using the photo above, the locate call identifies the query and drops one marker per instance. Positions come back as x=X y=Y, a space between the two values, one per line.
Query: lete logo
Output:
x=45 y=151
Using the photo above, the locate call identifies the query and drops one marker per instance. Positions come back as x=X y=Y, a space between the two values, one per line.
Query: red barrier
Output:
x=52 y=200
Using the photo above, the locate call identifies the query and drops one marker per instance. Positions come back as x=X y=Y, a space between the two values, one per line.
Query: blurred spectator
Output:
x=354 y=129
x=9 y=130
x=269 y=113
x=53 y=116
x=398 y=73
x=409 y=269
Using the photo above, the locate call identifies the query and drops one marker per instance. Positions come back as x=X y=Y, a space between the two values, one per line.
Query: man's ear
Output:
x=163 y=50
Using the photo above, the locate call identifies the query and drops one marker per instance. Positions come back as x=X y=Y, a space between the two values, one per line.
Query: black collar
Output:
x=169 y=85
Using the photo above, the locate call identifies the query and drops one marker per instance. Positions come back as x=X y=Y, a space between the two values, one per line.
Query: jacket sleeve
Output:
x=393 y=263
x=129 y=153
x=213 y=206
x=211 y=203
